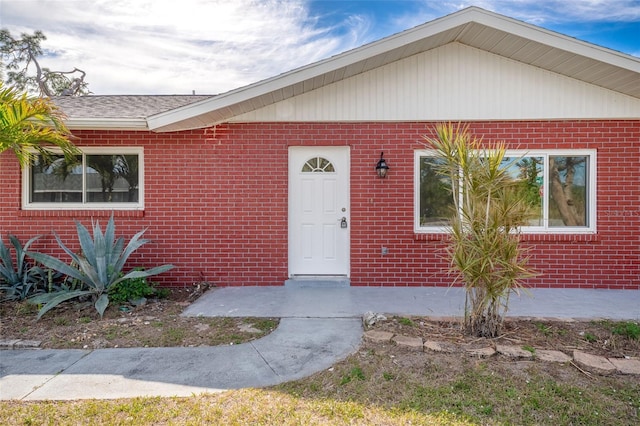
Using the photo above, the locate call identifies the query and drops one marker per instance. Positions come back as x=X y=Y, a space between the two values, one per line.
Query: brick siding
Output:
x=216 y=203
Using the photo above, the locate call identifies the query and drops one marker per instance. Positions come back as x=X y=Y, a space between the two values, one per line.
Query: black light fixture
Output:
x=381 y=167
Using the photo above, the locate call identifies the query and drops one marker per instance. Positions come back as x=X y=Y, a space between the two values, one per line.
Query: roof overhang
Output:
x=107 y=124
x=473 y=26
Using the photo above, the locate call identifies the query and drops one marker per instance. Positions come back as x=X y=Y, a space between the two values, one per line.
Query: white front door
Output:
x=319 y=211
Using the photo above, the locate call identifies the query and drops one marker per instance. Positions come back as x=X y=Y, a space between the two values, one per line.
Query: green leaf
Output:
x=74 y=256
x=7 y=271
x=133 y=245
x=109 y=239
x=86 y=243
x=143 y=274
x=91 y=275
x=51 y=300
x=58 y=265
x=102 y=303
x=99 y=261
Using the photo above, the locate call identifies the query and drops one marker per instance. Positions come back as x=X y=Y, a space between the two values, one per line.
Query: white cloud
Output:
x=174 y=46
x=539 y=12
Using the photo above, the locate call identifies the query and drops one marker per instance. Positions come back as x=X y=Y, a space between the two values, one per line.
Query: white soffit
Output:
x=473 y=26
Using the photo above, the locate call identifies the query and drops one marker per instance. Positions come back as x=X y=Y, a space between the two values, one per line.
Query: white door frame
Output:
x=319 y=245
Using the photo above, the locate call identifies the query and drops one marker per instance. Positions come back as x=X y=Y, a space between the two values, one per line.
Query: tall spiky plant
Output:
x=484 y=248
x=99 y=267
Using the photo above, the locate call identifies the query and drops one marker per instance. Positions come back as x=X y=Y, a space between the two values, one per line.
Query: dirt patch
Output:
x=600 y=337
x=157 y=323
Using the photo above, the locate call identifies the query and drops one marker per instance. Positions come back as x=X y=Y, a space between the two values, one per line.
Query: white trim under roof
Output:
x=107 y=124
x=473 y=26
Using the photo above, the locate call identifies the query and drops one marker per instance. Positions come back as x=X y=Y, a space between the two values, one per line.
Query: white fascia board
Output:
x=106 y=124
x=556 y=40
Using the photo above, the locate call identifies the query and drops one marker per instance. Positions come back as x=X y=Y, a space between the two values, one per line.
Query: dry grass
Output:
x=243 y=407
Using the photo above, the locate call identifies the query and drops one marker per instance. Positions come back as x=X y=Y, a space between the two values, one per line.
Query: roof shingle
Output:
x=122 y=106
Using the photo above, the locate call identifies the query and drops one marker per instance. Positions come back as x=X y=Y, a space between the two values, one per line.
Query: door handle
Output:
x=343 y=222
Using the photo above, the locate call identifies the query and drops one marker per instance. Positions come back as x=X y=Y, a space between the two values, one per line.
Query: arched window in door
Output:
x=318 y=165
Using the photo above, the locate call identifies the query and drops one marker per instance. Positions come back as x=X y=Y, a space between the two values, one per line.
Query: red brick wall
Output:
x=216 y=203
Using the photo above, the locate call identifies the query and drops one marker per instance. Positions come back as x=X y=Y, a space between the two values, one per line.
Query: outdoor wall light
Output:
x=381 y=167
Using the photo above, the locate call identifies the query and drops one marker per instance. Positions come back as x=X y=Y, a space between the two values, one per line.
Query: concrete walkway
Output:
x=319 y=327
x=350 y=302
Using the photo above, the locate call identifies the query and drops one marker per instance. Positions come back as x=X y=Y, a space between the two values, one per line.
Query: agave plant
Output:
x=99 y=267
x=20 y=280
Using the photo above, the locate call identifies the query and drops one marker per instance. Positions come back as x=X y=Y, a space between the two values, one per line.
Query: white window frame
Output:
x=124 y=150
x=545 y=228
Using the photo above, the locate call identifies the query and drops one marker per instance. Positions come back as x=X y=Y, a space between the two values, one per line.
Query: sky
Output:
x=213 y=46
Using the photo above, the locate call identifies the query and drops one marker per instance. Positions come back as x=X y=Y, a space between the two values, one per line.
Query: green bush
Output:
x=130 y=290
x=21 y=280
x=99 y=267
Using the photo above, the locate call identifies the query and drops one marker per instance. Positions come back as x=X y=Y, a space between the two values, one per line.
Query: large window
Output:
x=560 y=186
x=98 y=178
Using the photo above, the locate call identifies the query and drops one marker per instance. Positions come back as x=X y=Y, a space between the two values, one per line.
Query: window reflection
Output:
x=89 y=179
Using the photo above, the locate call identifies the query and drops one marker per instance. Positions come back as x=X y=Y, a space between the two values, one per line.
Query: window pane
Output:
x=568 y=191
x=112 y=178
x=318 y=165
x=528 y=172
x=436 y=202
x=56 y=182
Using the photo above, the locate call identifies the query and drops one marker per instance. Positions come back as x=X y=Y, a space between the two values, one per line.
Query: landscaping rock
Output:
x=513 y=352
x=246 y=328
x=626 y=366
x=27 y=344
x=412 y=343
x=99 y=343
x=444 y=347
x=433 y=346
x=8 y=343
x=552 y=356
x=593 y=363
x=482 y=352
x=378 y=336
x=369 y=319
x=204 y=327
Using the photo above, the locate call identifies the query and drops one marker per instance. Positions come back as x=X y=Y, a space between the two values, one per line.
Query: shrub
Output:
x=484 y=248
x=130 y=290
x=98 y=268
x=21 y=280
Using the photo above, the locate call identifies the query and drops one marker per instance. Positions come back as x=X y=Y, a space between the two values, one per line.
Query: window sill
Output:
x=549 y=238
x=81 y=213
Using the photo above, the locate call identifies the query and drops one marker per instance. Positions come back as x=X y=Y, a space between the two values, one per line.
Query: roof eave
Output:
x=107 y=124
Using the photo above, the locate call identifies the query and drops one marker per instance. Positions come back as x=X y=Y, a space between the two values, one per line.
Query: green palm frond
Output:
x=32 y=126
x=484 y=248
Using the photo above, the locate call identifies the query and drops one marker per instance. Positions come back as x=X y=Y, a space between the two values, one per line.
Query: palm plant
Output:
x=30 y=126
x=490 y=208
x=20 y=280
x=99 y=268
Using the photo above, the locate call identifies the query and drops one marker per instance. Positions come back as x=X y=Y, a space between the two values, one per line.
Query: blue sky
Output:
x=211 y=46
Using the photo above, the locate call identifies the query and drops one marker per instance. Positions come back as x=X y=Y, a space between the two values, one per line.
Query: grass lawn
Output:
x=383 y=386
